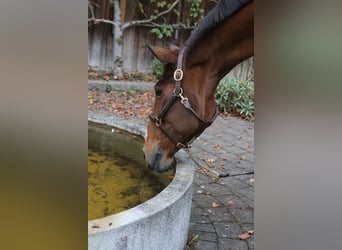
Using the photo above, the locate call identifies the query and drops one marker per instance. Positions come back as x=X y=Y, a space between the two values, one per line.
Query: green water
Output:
x=117 y=176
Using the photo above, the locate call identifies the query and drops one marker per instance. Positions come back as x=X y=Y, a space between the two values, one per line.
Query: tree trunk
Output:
x=117 y=41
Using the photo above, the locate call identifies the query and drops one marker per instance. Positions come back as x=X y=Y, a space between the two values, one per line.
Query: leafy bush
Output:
x=157 y=68
x=236 y=96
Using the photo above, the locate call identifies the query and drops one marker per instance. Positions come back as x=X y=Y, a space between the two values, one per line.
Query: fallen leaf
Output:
x=211 y=160
x=244 y=236
x=214 y=204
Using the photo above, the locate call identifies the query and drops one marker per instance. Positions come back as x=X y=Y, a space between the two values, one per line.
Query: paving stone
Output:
x=197 y=211
x=203 y=228
x=247 y=226
x=243 y=215
x=233 y=201
x=201 y=179
x=250 y=242
x=246 y=192
x=200 y=219
x=227 y=230
x=235 y=183
x=205 y=236
x=230 y=244
x=221 y=214
x=205 y=201
x=233 y=149
x=217 y=189
x=206 y=245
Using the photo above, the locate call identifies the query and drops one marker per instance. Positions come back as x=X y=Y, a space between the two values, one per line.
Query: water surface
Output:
x=118 y=178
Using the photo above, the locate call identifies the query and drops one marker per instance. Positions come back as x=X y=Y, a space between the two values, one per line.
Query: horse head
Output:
x=179 y=113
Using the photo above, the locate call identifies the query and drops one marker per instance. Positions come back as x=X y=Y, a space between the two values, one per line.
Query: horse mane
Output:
x=218 y=14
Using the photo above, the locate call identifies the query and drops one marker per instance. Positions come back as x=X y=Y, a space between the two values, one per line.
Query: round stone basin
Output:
x=161 y=222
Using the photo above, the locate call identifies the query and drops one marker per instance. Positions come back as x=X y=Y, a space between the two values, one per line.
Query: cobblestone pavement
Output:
x=223 y=210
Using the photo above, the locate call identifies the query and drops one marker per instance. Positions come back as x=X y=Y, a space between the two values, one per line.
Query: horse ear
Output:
x=165 y=55
x=173 y=47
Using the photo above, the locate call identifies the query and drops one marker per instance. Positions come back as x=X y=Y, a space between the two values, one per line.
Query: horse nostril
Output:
x=158 y=153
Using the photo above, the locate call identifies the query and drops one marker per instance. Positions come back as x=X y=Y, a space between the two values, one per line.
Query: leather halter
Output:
x=178 y=93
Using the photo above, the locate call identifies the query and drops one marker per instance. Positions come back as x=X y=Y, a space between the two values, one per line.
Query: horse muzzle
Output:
x=157 y=161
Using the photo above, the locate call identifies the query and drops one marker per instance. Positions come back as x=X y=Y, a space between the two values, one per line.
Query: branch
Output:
x=140 y=22
x=99 y=20
x=103 y=21
x=175 y=26
x=145 y=23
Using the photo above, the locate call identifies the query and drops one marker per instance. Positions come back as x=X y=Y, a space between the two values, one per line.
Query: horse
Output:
x=184 y=102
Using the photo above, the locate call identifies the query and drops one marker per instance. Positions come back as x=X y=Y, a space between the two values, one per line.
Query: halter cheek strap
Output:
x=178 y=94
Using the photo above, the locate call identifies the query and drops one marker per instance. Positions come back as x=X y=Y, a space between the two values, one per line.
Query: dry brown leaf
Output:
x=211 y=160
x=214 y=204
x=244 y=236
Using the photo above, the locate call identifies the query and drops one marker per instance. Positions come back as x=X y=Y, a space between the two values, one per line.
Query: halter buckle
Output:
x=178 y=75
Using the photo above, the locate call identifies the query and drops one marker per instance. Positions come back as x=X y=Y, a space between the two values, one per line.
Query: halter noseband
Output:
x=178 y=93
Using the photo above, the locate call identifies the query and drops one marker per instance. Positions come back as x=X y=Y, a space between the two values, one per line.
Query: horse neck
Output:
x=218 y=51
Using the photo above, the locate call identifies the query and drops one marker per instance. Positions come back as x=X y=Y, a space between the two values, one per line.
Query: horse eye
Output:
x=159 y=92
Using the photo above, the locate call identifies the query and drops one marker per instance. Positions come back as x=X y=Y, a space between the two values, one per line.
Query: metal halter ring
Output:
x=158 y=121
x=181 y=145
x=180 y=92
x=178 y=71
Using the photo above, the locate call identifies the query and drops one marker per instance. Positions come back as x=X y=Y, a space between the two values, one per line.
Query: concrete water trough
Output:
x=159 y=223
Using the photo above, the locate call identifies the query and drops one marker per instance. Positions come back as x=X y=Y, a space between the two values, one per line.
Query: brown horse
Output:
x=184 y=103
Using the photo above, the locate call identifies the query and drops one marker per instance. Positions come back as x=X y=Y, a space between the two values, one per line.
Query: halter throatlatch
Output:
x=178 y=93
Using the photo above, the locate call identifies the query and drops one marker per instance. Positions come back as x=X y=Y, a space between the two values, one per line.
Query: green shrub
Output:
x=236 y=96
x=157 y=68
